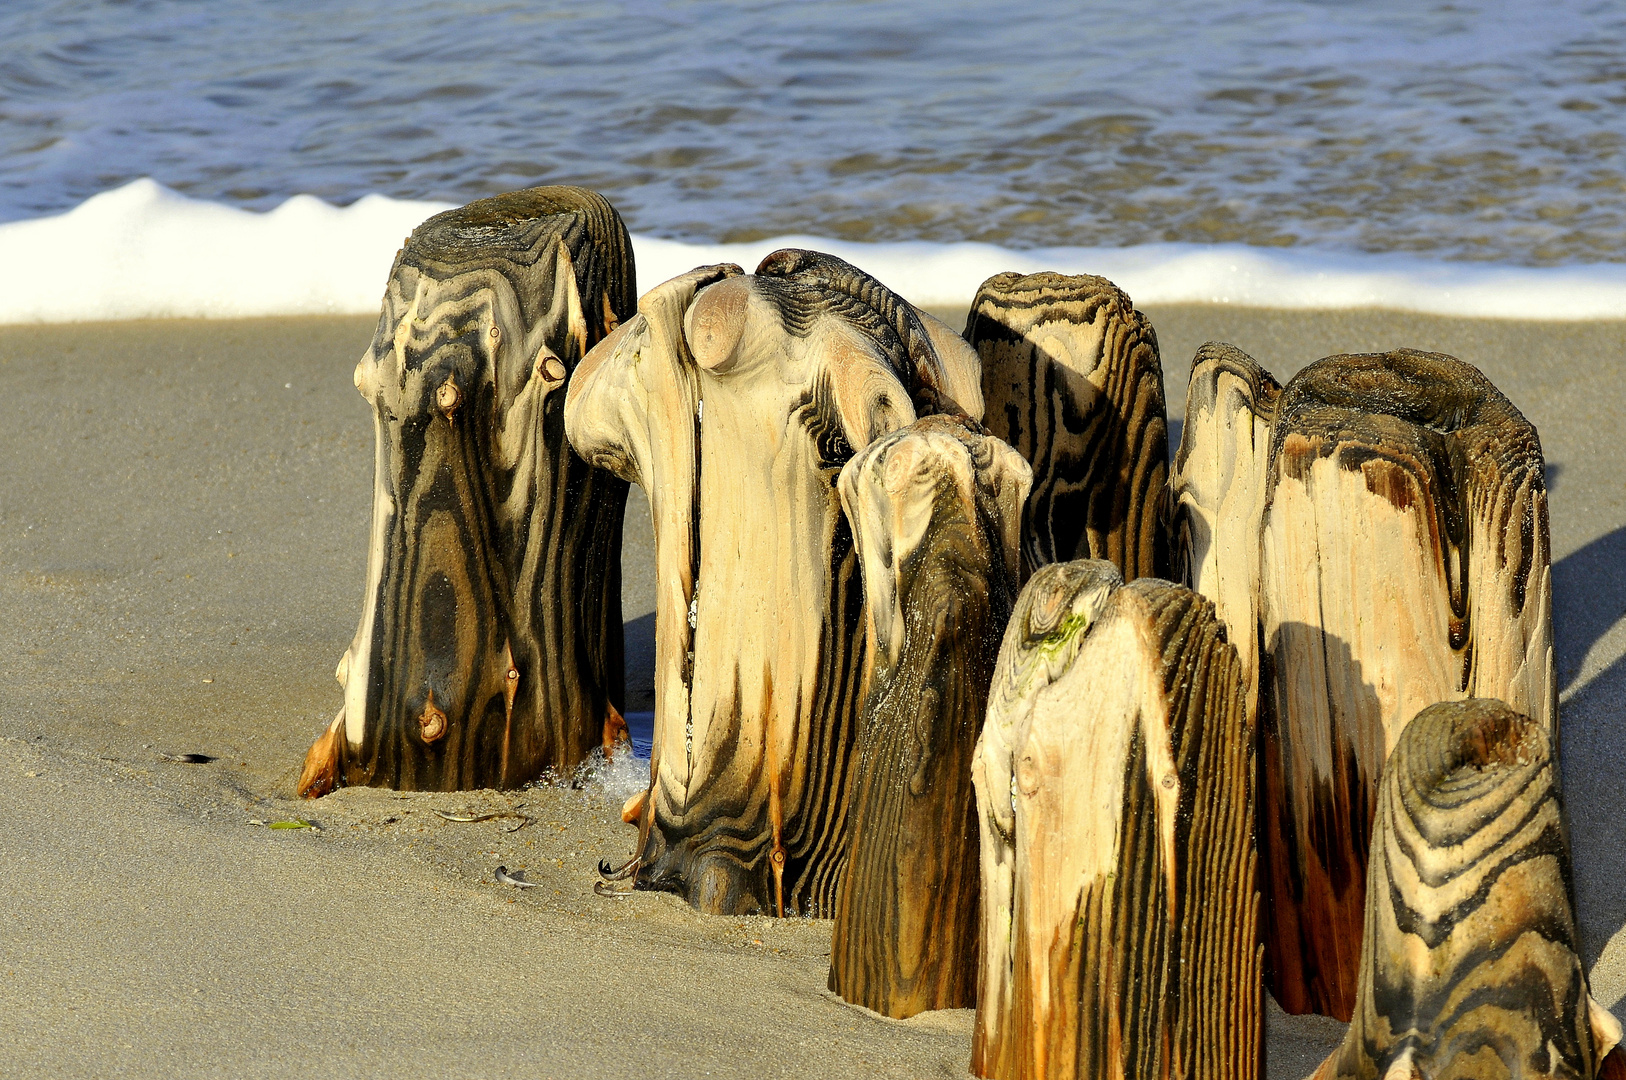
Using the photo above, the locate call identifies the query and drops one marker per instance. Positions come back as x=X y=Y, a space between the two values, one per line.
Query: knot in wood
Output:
x=432 y=721
x=549 y=366
x=448 y=397
x=1026 y=776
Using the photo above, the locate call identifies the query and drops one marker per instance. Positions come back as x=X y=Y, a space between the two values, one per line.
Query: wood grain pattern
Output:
x=1468 y=963
x=735 y=401
x=1115 y=785
x=1071 y=378
x=1404 y=559
x=489 y=648
x=1219 y=494
x=1394 y=540
x=1046 y=629
x=935 y=510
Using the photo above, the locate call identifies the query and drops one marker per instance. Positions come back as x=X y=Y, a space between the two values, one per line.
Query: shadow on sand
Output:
x=1589 y=598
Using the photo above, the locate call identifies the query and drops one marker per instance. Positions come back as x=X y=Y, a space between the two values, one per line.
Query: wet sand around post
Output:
x=182 y=540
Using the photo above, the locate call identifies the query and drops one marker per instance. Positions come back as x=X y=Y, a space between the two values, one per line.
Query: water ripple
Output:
x=1475 y=131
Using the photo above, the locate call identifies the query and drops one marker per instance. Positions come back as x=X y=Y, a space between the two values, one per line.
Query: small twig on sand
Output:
x=523 y=819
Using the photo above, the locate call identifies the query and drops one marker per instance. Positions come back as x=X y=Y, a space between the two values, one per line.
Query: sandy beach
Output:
x=182 y=546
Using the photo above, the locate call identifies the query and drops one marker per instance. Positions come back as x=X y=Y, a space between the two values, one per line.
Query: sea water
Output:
x=234 y=157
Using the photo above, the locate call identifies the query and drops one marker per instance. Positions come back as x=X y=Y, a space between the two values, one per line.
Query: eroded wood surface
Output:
x=1468 y=965
x=1218 y=492
x=1115 y=785
x=734 y=401
x=935 y=510
x=1404 y=560
x=1401 y=558
x=1071 y=378
x=489 y=648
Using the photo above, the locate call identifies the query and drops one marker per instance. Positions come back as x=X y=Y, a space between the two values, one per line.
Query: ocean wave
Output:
x=143 y=251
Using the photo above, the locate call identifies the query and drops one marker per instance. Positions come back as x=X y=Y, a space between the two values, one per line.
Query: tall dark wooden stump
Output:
x=734 y=401
x=1071 y=378
x=1468 y=964
x=1115 y=782
x=935 y=510
x=489 y=648
x=1400 y=559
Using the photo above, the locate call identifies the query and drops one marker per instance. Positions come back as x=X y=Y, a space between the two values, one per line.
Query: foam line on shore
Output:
x=143 y=251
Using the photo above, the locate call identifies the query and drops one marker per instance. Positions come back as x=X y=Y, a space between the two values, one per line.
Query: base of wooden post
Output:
x=1468 y=963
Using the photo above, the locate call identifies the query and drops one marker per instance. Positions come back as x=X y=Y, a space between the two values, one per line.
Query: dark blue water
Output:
x=1462 y=130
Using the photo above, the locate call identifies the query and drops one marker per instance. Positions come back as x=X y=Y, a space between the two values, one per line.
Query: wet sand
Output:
x=182 y=538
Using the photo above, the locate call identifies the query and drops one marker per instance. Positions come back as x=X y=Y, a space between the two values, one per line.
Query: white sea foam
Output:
x=947 y=275
x=143 y=251
x=616 y=778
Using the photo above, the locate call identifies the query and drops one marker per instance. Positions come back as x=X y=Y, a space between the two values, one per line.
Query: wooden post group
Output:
x=930 y=679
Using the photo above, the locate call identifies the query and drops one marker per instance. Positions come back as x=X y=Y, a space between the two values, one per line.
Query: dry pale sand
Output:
x=181 y=546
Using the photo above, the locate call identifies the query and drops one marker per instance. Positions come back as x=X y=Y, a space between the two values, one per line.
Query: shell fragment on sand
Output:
x=502 y=877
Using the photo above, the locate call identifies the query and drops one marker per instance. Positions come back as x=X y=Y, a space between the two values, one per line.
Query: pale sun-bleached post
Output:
x=1115 y=782
x=1375 y=536
x=734 y=401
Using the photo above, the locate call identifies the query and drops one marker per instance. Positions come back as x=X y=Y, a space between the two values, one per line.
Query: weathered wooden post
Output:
x=1400 y=558
x=489 y=648
x=735 y=401
x=1468 y=964
x=935 y=510
x=1219 y=493
x=1115 y=782
x=1071 y=378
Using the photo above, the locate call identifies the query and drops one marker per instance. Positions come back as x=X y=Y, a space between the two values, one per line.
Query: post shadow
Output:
x=1313 y=878
x=1589 y=597
x=639 y=635
x=1592 y=743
